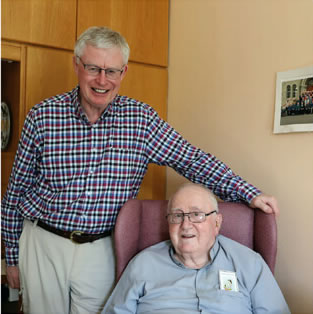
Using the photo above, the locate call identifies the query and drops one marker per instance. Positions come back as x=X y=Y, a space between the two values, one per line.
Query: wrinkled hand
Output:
x=13 y=277
x=266 y=203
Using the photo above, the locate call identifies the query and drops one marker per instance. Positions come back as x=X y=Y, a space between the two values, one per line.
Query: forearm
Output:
x=200 y=167
x=21 y=180
x=229 y=186
x=165 y=146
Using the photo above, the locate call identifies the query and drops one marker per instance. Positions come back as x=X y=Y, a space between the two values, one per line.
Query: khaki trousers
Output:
x=60 y=277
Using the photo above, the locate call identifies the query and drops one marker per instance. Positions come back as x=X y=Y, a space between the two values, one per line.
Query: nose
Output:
x=186 y=223
x=101 y=78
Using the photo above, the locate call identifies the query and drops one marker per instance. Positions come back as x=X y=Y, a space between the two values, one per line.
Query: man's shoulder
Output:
x=156 y=248
x=160 y=249
x=246 y=261
x=61 y=100
x=235 y=247
x=144 y=264
x=126 y=104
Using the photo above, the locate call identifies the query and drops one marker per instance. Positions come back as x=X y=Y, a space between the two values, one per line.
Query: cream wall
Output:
x=223 y=59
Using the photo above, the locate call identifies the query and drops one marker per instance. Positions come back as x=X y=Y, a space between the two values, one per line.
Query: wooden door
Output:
x=49 y=72
x=144 y=24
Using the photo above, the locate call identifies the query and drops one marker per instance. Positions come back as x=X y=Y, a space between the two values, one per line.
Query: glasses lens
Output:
x=112 y=74
x=175 y=218
x=197 y=217
x=92 y=70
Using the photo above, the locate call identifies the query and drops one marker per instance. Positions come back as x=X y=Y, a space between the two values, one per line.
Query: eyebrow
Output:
x=97 y=66
x=106 y=68
x=194 y=208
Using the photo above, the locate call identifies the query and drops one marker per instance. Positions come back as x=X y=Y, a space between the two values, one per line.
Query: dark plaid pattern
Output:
x=74 y=175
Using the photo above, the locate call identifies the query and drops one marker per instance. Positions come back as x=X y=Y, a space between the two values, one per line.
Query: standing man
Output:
x=81 y=156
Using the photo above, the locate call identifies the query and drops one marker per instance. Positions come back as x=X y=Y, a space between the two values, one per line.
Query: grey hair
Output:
x=102 y=37
x=211 y=198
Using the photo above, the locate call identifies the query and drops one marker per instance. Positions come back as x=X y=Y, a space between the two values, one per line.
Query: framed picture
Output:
x=294 y=101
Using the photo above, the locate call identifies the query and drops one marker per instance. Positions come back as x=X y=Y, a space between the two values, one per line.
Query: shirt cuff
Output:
x=248 y=192
x=11 y=256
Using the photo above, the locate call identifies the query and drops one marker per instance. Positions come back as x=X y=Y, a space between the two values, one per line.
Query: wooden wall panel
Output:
x=45 y=22
x=49 y=72
x=153 y=185
x=149 y=84
x=144 y=24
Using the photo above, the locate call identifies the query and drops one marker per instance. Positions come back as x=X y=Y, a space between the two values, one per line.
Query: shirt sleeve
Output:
x=266 y=296
x=21 y=179
x=167 y=147
x=126 y=294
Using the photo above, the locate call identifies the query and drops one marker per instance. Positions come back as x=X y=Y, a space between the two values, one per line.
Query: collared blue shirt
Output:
x=156 y=282
x=74 y=175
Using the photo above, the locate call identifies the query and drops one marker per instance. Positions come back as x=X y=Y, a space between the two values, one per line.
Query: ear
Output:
x=75 y=65
x=124 y=72
x=218 y=221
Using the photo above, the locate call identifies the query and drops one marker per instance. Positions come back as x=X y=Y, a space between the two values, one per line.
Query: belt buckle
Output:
x=73 y=234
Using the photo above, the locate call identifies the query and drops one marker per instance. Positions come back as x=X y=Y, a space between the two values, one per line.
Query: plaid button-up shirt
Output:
x=75 y=175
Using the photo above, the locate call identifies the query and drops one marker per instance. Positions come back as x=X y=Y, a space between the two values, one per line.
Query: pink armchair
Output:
x=142 y=223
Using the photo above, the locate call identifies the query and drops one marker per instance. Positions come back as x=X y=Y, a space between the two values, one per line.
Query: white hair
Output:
x=211 y=198
x=102 y=37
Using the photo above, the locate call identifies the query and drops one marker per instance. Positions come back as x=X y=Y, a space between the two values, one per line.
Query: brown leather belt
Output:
x=76 y=236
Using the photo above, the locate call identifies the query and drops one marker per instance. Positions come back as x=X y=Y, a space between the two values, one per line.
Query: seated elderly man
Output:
x=198 y=270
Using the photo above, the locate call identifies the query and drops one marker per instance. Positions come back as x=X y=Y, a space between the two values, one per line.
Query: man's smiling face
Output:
x=97 y=91
x=193 y=239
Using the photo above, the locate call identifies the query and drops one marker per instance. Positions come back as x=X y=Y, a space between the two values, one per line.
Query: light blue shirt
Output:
x=156 y=282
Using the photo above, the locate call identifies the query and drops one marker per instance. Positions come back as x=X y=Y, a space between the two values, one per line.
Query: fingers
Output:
x=272 y=204
x=268 y=209
x=266 y=203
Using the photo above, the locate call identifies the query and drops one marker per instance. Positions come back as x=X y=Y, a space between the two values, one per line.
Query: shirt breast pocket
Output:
x=124 y=163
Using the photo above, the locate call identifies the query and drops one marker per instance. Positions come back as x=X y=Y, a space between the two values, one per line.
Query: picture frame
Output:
x=294 y=101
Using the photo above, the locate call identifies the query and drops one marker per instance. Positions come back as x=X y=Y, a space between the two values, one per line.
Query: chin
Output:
x=100 y=103
x=187 y=249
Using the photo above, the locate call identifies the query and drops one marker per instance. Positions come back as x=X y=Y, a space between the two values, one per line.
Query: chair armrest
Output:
x=265 y=237
x=132 y=215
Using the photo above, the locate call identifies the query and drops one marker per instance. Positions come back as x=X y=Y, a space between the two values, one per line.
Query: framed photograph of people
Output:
x=294 y=101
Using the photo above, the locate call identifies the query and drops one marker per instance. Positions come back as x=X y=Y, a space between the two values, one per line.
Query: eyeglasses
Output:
x=110 y=73
x=196 y=217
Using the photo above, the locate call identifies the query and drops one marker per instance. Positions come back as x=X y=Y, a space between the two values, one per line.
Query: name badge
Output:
x=228 y=280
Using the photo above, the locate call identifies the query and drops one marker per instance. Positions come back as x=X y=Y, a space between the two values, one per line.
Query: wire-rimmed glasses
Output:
x=196 y=217
x=94 y=70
